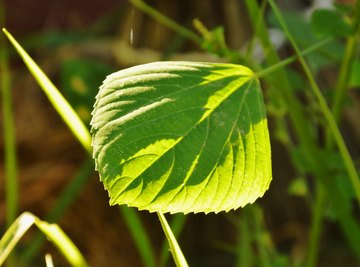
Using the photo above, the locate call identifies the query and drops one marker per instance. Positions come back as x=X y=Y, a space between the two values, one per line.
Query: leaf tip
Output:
x=5 y=31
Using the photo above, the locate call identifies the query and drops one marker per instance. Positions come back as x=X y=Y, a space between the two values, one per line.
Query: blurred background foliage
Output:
x=78 y=43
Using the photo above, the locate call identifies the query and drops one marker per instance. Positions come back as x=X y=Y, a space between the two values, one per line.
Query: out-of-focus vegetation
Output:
x=310 y=215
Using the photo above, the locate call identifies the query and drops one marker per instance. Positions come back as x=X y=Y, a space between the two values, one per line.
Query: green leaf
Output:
x=327 y=22
x=182 y=137
x=354 y=75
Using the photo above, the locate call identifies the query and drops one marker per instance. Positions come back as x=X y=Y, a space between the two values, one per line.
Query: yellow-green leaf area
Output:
x=182 y=137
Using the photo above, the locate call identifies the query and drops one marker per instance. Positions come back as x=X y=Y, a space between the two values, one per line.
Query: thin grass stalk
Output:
x=316 y=227
x=244 y=253
x=349 y=164
x=337 y=106
x=53 y=232
x=343 y=79
x=258 y=221
x=258 y=20
x=11 y=182
x=62 y=242
x=152 y=12
x=342 y=204
x=285 y=91
x=285 y=62
x=13 y=234
x=60 y=104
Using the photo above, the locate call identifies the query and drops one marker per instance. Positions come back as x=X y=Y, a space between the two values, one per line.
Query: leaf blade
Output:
x=164 y=135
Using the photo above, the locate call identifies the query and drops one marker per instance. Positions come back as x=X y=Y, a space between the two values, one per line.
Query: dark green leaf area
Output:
x=182 y=137
x=327 y=22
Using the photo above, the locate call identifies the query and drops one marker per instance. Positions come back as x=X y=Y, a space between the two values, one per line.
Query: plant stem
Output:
x=178 y=256
x=258 y=220
x=166 y=21
x=316 y=225
x=177 y=224
x=264 y=72
x=337 y=105
x=11 y=189
x=258 y=21
x=244 y=254
x=343 y=79
x=343 y=210
x=285 y=91
x=344 y=75
x=342 y=204
x=349 y=164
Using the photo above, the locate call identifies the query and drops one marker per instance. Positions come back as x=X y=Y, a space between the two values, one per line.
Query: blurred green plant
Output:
x=326 y=164
x=52 y=231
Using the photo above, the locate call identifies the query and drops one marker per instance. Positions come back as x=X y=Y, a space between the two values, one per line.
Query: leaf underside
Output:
x=182 y=137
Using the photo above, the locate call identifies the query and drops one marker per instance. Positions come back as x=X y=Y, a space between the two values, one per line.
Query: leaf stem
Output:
x=11 y=190
x=178 y=256
x=177 y=224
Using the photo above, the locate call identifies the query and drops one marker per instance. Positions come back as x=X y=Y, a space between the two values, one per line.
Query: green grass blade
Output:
x=64 y=109
x=139 y=235
x=14 y=234
x=56 y=235
x=341 y=204
x=52 y=231
x=178 y=256
x=11 y=182
x=48 y=261
x=349 y=164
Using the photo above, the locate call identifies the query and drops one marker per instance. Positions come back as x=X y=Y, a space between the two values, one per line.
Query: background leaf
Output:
x=327 y=22
x=79 y=80
x=182 y=137
x=354 y=75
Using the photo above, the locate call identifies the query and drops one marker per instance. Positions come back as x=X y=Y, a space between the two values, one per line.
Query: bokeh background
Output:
x=77 y=43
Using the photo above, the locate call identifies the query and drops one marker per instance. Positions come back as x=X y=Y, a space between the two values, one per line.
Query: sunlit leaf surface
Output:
x=182 y=137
